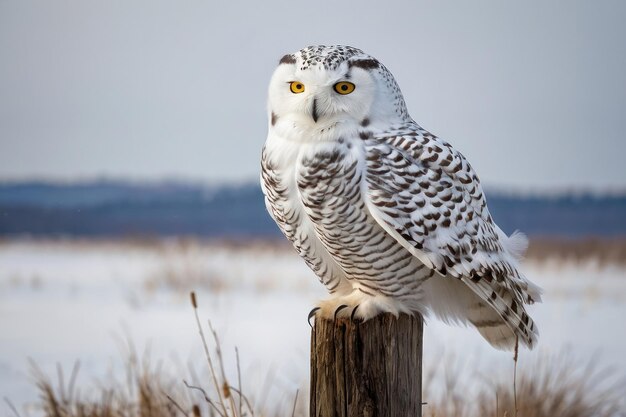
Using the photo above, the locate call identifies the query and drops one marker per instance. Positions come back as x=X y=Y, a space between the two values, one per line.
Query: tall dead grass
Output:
x=146 y=394
x=150 y=391
x=550 y=389
x=556 y=388
x=553 y=387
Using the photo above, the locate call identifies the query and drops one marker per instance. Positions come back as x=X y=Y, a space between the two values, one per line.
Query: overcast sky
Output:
x=533 y=93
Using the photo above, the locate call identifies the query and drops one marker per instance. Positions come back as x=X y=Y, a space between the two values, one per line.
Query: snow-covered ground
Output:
x=80 y=300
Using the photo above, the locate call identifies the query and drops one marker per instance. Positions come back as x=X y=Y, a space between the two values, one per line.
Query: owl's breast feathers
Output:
x=317 y=200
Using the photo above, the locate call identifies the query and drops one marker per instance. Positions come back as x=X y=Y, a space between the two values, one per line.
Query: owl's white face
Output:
x=330 y=97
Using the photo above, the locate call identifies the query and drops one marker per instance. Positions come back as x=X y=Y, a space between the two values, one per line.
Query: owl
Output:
x=390 y=217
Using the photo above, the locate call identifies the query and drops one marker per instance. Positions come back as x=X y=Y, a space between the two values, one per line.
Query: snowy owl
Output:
x=390 y=217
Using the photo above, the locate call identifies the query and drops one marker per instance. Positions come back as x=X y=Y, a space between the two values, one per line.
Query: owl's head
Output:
x=331 y=90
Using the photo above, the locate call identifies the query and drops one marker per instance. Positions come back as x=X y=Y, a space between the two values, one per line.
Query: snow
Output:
x=63 y=301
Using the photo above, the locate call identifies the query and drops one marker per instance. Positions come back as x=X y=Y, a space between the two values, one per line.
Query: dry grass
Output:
x=183 y=264
x=150 y=391
x=556 y=389
x=186 y=264
x=553 y=387
x=144 y=395
x=605 y=249
x=602 y=250
x=552 y=390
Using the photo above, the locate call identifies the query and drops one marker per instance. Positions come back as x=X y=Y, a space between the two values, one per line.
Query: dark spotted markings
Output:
x=329 y=57
x=408 y=182
x=288 y=59
x=366 y=64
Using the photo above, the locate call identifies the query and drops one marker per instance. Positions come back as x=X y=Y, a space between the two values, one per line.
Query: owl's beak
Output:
x=314 y=110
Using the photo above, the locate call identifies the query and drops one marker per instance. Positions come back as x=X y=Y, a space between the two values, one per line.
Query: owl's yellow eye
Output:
x=344 y=87
x=296 y=87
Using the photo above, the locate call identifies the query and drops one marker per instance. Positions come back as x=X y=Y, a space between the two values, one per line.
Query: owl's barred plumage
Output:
x=390 y=217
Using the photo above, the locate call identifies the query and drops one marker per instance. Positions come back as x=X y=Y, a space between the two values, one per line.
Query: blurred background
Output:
x=130 y=139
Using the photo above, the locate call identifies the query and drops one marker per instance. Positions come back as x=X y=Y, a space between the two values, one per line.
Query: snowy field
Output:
x=63 y=301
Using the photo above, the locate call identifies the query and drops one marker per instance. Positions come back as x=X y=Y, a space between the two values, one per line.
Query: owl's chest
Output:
x=315 y=184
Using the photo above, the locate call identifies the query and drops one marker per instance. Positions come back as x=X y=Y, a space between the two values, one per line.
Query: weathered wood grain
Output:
x=371 y=369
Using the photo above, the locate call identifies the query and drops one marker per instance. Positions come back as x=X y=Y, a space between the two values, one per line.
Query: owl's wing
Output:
x=425 y=194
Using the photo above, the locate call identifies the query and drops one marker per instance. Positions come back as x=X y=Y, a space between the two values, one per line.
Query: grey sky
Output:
x=533 y=93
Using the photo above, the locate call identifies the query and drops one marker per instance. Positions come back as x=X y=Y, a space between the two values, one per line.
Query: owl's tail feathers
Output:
x=502 y=333
x=501 y=319
x=487 y=306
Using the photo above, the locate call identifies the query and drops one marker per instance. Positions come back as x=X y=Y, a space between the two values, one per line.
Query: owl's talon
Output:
x=311 y=315
x=353 y=313
x=341 y=307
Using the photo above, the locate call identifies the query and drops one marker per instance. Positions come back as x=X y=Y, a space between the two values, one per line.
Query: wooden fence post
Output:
x=371 y=369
